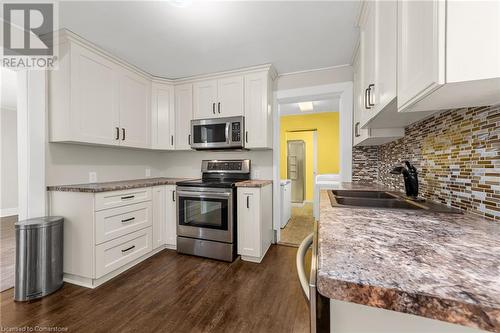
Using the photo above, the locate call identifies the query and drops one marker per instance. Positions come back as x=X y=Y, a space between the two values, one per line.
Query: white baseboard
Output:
x=8 y=211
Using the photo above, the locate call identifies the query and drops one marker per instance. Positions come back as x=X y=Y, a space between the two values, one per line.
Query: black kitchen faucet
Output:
x=410 y=176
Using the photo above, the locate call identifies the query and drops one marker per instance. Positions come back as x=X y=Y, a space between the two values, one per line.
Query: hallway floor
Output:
x=7 y=252
x=299 y=226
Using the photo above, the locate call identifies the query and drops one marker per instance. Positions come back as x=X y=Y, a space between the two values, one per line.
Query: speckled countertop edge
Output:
x=116 y=185
x=448 y=270
x=254 y=183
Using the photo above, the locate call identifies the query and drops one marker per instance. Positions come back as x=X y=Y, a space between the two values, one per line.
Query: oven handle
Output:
x=215 y=195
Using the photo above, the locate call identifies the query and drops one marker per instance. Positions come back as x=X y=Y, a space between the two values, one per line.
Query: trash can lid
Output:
x=39 y=222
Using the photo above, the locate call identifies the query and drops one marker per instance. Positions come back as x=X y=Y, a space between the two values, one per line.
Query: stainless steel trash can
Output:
x=39 y=257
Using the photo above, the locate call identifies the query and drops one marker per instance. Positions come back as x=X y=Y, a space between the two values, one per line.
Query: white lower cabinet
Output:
x=106 y=233
x=254 y=225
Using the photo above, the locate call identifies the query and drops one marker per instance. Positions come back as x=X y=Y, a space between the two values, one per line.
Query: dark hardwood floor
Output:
x=177 y=293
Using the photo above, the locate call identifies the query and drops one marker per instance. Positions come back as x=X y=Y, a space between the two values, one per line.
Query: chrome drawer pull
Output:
x=130 y=248
x=128 y=197
x=128 y=220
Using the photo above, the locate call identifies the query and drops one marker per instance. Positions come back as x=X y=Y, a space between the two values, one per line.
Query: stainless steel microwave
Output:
x=218 y=133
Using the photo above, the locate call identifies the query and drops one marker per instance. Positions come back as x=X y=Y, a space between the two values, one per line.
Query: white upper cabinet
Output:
x=162 y=116
x=230 y=96
x=135 y=110
x=204 y=99
x=218 y=98
x=183 y=115
x=258 y=115
x=95 y=99
x=448 y=54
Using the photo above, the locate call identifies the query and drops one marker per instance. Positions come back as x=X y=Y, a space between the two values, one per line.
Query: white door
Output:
x=419 y=57
x=95 y=103
x=163 y=117
x=205 y=99
x=256 y=113
x=135 y=111
x=248 y=222
x=171 y=217
x=230 y=97
x=183 y=116
x=159 y=216
x=359 y=99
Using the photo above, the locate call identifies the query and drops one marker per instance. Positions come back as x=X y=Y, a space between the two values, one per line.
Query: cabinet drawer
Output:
x=116 y=222
x=118 y=252
x=105 y=200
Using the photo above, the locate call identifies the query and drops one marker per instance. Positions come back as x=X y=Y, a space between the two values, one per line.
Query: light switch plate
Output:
x=148 y=172
x=92 y=177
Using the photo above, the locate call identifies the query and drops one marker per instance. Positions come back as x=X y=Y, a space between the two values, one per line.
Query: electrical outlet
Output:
x=92 y=177
x=148 y=172
x=256 y=174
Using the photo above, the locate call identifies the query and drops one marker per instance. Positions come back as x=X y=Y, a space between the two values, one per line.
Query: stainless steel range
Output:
x=206 y=210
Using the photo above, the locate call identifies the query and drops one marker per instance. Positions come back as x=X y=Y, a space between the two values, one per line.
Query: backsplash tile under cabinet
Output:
x=457 y=154
x=364 y=164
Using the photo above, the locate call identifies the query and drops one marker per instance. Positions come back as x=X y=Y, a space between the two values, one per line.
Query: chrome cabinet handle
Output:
x=218 y=107
x=128 y=249
x=173 y=195
x=117 y=133
x=246 y=136
x=356 y=129
x=128 y=197
x=189 y=139
x=123 y=134
x=370 y=86
x=248 y=201
x=366 y=99
x=213 y=107
x=128 y=220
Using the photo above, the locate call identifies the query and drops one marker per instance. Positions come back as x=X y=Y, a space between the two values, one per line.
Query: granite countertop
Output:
x=115 y=185
x=254 y=183
x=435 y=265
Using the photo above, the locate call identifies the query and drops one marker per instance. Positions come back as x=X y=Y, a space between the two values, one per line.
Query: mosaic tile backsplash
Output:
x=457 y=154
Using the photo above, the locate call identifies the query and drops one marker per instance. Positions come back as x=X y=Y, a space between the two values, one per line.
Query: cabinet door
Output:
x=386 y=25
x=257 y=115
x=230 y=97
x=359 y=134
x=205 y=99
x=183 y=116
x=367 y=43
x=249 y=222
x=94 y=102
x=171 y=219
x=163 y=117
x=420 y=53
x=135 y=111
x=159 y=216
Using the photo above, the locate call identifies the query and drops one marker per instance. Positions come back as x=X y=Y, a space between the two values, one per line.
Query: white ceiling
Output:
x=324 y=105
x=208 y=36
x=8 y=89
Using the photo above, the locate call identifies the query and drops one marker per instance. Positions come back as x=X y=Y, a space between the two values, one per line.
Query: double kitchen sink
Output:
x=384 y=199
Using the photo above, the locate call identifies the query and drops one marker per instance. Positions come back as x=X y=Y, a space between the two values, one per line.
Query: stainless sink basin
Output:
x=363 y=194
x=376 y=203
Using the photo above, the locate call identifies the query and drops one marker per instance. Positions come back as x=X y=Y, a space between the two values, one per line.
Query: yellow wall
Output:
x=327 y=126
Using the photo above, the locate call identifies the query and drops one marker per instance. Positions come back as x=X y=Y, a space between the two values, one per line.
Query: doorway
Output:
x=296 y=150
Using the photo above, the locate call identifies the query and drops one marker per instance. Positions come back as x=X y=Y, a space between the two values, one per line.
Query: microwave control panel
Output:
x=236 y=131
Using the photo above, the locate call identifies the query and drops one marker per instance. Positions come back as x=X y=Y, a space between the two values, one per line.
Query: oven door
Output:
x=205 y=213
x=208 y=134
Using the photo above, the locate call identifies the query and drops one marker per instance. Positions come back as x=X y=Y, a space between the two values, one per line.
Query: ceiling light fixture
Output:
x=306 y=106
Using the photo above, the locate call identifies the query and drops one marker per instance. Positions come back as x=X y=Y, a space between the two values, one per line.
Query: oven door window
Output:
x=209 y=133
x=203 y=212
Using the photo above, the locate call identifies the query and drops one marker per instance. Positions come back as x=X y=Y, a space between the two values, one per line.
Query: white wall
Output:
x=315 y=77
x=188 y=163
x=71 y=163
x=8 y=166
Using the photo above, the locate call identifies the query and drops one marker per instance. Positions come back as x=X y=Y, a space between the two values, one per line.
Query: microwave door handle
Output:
x=227 y=132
